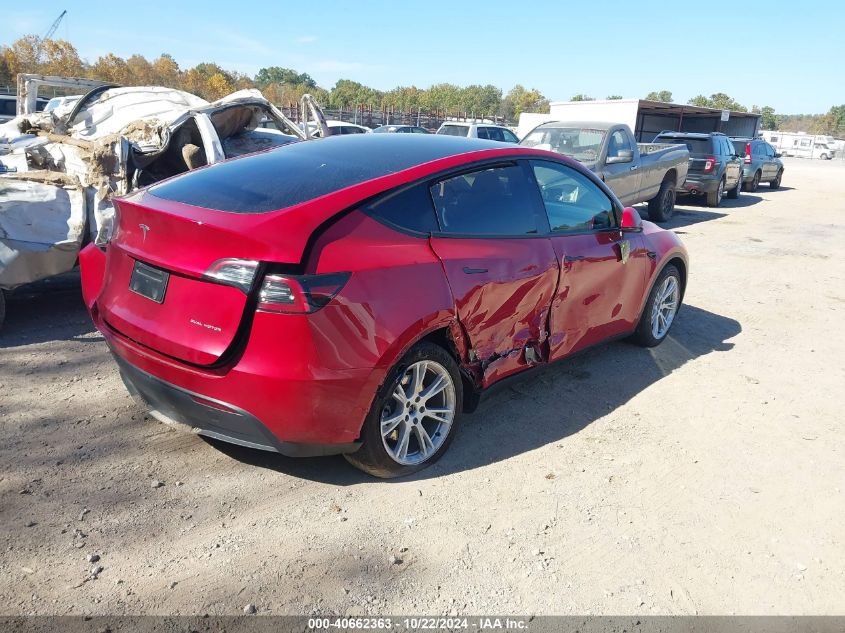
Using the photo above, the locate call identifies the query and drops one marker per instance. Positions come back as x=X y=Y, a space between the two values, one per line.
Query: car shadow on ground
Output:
x=541 y=408
x=47 y=310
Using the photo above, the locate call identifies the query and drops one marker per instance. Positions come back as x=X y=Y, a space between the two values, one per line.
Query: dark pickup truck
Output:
x=636 y=172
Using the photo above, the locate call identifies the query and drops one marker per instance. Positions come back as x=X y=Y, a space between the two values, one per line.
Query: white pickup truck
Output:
x=636 y=172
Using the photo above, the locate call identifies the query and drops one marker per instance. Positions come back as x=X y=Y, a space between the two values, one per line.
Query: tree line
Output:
x=284 y=86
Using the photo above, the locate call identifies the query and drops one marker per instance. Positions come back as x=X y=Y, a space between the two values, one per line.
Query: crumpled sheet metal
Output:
x=41 y=229
x=58 y=178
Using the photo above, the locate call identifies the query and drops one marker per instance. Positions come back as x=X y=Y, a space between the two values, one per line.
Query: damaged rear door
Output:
x=501 y=268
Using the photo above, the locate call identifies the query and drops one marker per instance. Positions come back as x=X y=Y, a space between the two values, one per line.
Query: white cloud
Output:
x=306 y=39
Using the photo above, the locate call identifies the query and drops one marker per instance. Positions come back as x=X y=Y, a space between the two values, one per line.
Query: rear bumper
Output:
x=696 y=185
x=213 y=418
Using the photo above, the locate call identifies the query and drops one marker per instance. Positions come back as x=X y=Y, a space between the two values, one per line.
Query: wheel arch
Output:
x=450 y=336
x=681 y=265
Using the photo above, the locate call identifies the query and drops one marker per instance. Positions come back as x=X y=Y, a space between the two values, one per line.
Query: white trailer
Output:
x=801 y=145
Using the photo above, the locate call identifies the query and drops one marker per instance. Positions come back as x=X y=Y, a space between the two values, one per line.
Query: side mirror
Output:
x=622 y=156
x=778 y=155
x=631 y=220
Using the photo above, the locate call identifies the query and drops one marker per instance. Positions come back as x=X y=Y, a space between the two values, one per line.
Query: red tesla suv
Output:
x=355 y=294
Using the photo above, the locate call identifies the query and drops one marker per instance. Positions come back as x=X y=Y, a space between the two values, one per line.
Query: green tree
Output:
x=718 y=100
x=663 y=95
x=519 y=100
x=581 y=97
x=768 y=120
x=347 y=94
x=614 y=97
x=443 y=97
x=278 y=75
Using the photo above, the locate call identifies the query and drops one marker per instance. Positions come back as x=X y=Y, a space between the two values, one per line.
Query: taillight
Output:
x=747 y=153
x=299 y=294
x=709 y=163
x=239 y=273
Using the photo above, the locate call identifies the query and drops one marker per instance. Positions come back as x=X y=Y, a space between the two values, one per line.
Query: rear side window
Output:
x=573 y=202
x=453 y=130
x=481 y=132
x=408 y=209
x=7 y=107
x=495 y=134
x=489 y=202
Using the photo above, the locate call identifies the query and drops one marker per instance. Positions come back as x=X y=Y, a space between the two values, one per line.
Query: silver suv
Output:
x=487 y=131
x=761 y=163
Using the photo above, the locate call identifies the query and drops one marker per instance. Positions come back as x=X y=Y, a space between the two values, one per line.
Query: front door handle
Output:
x=568 y=259
x=634 y=167
x=474 y=271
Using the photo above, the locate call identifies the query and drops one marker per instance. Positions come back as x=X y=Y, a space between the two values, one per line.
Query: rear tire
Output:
x=647 y=334
x=401 y=407
x=714 y=198
x=824 y=156
x=2 y=307
x=661 y=207
x=755 y=182
x=733 y=194
x=774 y=184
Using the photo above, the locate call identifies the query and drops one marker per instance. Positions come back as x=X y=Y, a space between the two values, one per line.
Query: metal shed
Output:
x=648 y=118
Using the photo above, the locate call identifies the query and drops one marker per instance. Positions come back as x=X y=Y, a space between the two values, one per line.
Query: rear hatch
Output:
x=700 y=149
x=178 y=278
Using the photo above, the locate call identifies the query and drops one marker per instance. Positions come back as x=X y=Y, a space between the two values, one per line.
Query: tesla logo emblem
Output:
x=144 y=228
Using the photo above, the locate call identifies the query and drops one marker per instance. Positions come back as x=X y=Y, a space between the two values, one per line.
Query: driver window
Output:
x=573 y=202
x=618 y=141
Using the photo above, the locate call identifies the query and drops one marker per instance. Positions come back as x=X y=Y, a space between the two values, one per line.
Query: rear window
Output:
x=453 y=130
x=302 y=171
x=739 y=146
x=694 y=145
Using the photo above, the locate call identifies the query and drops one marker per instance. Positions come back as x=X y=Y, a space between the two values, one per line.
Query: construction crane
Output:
x=54 y=26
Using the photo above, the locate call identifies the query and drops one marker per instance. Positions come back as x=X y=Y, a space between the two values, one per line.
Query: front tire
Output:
x=414 y=415
x=714 y=198
x=660 y=310
x=661 y=207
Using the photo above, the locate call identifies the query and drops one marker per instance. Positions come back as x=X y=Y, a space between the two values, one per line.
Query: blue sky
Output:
x=785 y=54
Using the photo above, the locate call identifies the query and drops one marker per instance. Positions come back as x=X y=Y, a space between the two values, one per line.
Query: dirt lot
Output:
x=705 y=476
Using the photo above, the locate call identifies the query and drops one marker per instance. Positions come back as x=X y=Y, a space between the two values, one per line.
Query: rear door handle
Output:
x=474 y=271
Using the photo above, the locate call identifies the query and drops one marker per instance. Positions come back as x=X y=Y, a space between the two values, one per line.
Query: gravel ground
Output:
x=705 y=476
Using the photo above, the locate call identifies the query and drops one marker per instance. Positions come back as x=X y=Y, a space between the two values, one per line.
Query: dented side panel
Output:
x=503 y=290
x=599 y=292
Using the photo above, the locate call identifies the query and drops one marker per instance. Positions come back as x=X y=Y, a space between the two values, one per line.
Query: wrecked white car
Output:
x=60 y=169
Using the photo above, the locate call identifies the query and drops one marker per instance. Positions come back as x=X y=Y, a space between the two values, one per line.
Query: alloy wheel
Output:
x=418 y=417
x=665 y=307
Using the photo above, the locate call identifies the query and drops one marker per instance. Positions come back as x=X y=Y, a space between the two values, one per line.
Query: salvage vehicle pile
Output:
x=60 y=169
